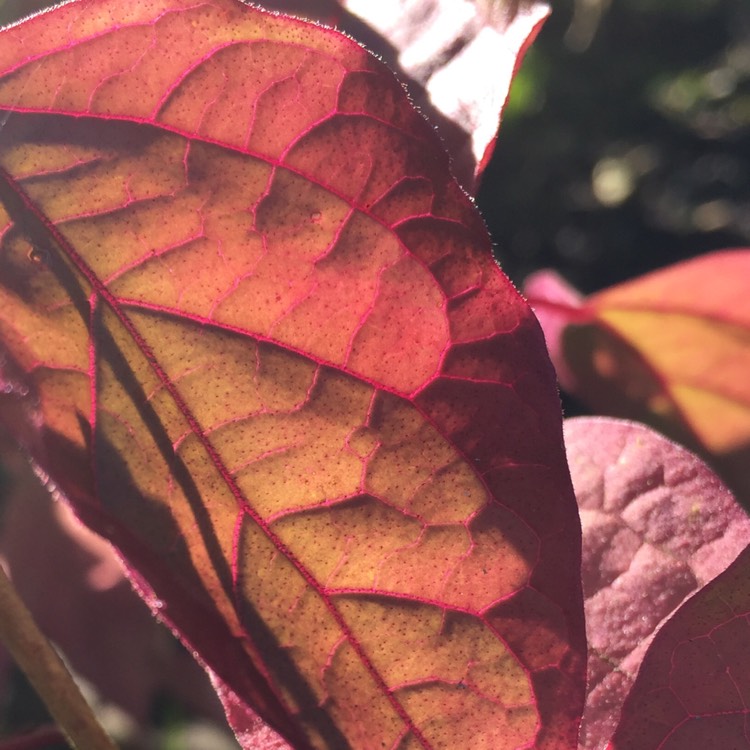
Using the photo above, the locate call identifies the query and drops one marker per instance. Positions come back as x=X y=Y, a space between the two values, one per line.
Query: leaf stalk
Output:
x=47 y=673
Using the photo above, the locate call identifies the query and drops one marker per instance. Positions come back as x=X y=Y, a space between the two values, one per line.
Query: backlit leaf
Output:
x=443 y=49
x=252 y=330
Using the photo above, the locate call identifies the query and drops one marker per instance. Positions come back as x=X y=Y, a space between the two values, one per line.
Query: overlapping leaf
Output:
x=447 y=47
x=693 y=690
x=657 y=526
x=671 y=348
x=443 y=49
x=252 y=329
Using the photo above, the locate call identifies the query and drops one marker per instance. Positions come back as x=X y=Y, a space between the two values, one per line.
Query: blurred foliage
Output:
x=626 y=143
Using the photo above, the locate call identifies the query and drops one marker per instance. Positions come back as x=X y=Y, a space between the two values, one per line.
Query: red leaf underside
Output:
x=252 y=329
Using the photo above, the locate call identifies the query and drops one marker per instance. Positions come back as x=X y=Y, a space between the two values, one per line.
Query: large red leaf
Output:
x=671 y=348
x=657 y=526
x=693 y=690
x=253 y=331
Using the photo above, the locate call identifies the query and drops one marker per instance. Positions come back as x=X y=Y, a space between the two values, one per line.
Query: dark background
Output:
x=626 y=144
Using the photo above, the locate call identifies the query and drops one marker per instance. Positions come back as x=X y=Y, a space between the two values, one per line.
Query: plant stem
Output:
x=47 y=673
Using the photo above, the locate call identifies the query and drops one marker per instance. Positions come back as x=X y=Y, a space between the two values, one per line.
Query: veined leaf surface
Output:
x=252 y=329
x=693 y=689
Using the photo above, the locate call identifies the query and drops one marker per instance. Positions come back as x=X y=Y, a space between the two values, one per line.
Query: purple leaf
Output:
x=657 y=526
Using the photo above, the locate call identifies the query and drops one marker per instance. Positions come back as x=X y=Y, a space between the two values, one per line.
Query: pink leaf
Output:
x=669 y=348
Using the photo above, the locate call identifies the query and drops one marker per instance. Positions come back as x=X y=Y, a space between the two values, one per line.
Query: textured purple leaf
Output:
x=657 y=526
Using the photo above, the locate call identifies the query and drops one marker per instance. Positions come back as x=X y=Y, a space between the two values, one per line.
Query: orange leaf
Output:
x=671 y=348
x=252 y=329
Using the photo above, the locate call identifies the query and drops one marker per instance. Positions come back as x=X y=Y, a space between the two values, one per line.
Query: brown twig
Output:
x=47 y=673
